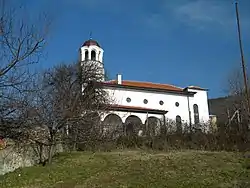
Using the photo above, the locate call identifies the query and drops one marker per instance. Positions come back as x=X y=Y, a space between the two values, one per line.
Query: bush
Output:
x=225 y=138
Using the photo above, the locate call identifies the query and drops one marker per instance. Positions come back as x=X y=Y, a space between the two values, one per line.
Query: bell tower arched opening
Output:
x=86 y=55
x=93 y=55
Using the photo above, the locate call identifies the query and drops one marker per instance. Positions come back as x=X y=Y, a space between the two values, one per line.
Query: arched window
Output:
x=86 y=55
x=112 y=126
x=152 y=126
x=132 y=125
x=178 y=123
x=196 y=114
x=93 y=55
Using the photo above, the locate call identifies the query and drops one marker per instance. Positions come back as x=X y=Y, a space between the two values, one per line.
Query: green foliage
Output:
x=135 y=169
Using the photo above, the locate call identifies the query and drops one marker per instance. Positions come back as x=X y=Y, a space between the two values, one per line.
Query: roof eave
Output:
x=201 y=89
x=138 y=110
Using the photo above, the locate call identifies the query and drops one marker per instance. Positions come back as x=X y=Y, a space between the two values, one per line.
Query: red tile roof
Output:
x=91 y=42
x=147 y=85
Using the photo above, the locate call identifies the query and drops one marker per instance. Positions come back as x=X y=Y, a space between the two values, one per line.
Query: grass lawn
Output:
x=135 y=169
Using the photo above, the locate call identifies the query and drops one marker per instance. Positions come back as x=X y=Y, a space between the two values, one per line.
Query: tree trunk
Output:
x=51 y=152
x=40 y=153
x=75 y=132
x=51 y=147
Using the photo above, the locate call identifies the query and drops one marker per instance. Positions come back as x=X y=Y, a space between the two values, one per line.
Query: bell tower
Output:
x=91 y=56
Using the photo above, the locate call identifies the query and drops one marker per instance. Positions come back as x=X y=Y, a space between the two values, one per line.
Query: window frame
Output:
x=196 y=114
x=128 y=100
x=161 y=102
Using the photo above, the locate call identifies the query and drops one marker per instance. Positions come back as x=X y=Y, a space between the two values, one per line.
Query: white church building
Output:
x=142 y=102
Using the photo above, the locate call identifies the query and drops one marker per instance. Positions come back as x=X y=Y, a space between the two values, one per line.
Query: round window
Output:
x=128 y=99
x=177 y=104
x=161 y=102
x=145 y=101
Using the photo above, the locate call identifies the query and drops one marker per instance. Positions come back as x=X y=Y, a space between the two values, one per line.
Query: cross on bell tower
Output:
x=90 y=35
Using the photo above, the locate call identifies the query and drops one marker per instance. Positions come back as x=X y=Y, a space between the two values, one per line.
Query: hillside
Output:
x=135 y=169
x=220 y=106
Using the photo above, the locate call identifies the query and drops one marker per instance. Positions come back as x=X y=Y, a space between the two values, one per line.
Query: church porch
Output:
x=125 y=120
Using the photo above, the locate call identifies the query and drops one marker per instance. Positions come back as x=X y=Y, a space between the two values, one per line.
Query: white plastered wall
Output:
x=119 y=96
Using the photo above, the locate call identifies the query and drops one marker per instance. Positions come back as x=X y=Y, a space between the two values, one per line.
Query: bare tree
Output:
x=238 y=109
x=67 y=103
x=21 y=44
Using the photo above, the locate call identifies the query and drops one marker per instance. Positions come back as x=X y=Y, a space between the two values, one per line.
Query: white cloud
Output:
x=199 y=14
x=207 y=13
x=202 y=11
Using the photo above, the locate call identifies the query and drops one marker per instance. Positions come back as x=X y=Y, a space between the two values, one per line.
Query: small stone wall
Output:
x=15 y=156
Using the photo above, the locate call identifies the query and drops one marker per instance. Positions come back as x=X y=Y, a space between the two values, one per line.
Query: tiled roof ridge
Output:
x=145 y=82
x=154 y=83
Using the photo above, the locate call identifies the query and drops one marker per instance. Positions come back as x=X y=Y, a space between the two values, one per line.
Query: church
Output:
x=139 y=104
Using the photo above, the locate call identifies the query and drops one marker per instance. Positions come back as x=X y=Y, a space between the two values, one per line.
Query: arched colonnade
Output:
x=132 y=125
